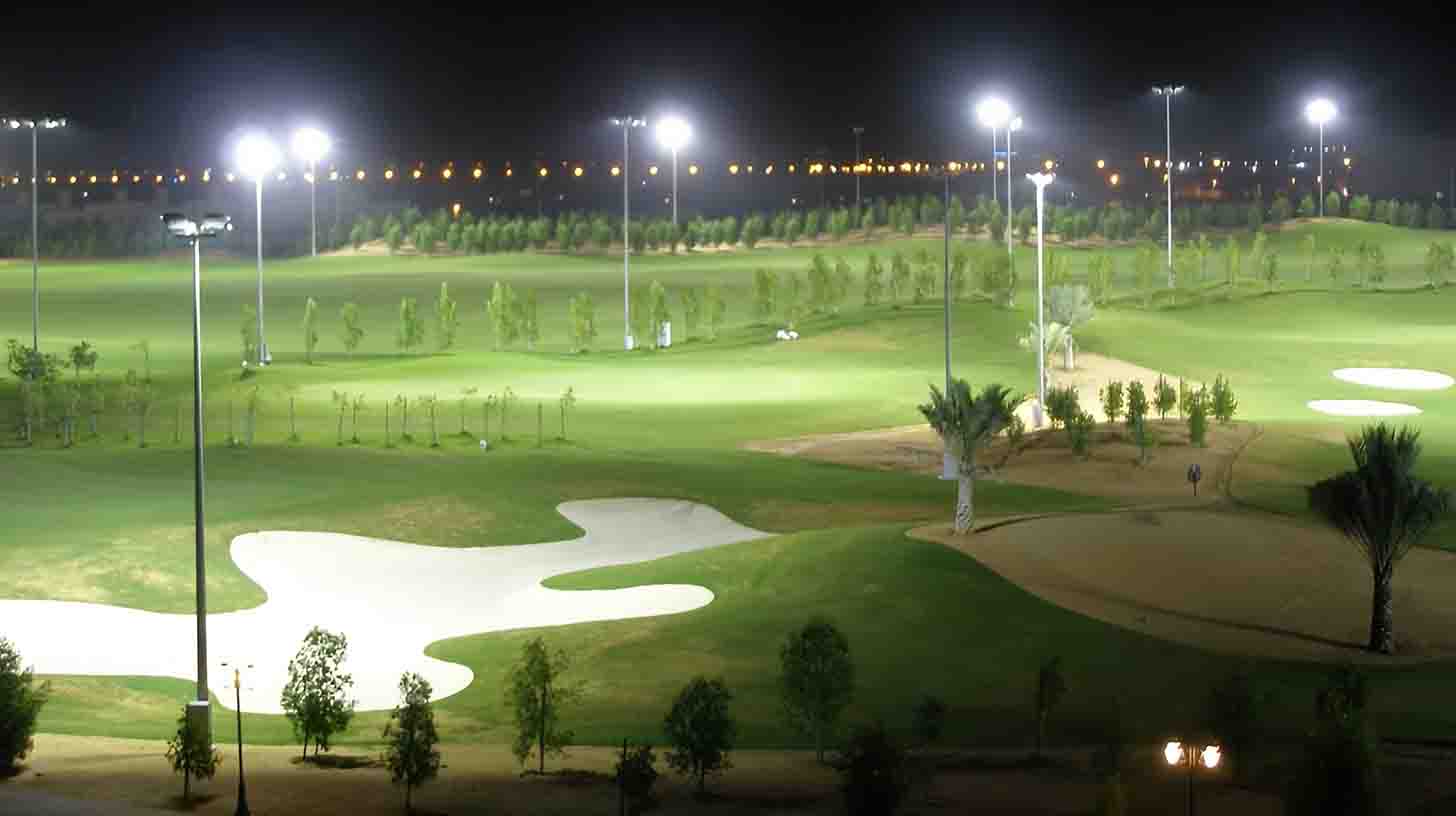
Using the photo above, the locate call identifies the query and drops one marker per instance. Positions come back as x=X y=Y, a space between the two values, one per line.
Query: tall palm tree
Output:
x=1385 y=509
x=965 y=422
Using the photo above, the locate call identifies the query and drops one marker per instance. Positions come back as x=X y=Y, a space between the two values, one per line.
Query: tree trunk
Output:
x=1040 y=731
x=340 y=435
x=386 y=423
x=408 y=789
x=1071 y=354
x=292 y=424
x=186 y=783
x=305 y=747
x=965 y=498
x=252 y=422
x=93 y=423
x=1382 y=623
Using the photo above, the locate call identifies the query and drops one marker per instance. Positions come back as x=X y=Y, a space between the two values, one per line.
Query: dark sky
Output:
x=426 y=83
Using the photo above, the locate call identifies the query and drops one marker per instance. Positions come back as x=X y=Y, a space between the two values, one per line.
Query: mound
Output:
x=1225 y=581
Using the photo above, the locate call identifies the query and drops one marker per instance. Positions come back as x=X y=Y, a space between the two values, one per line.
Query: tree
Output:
x=1385 y=509
x=658 y=315
x=1051 y=687
x=316 y=696
x=1338 y=773
x=959 y=275
x=83 y=355
x=501 y=308
x=1070 y=306
x=529 y=321
x=1197 y=417
x=1233 y=262
x=1335 y=265
x=424 y=237
x=1062 y=403
x=1440 y=260
x=21 y=700
x=716 y=310
x=582 y=311
x=816 y=680
x=1279 y=211
x=507 y=399
x=874 y=287
x=876 y=772
x=410 y=737
x=1333 y=203
x=821 y=283
x=352 y=333
x=1145 y=263
x=899 y=276
x=446 y=322
x=1234 y=714
x=1270 y=263
x=790 y=303
x=1165 y=397
x=700 y=730
x=536 y=695
x=1414 y=214
x=1360 y=207
x=1311 y=245
x=394 y=236
x=1137 y=405
x=191 y=755
x=965 y=422
x=1307 y=207
x=1222 y=403
x=249 y=331
x=765 y=288
x=411 y=330
x=1111 y=396
x=568 y=401
x=692 y=306
x=310 y=329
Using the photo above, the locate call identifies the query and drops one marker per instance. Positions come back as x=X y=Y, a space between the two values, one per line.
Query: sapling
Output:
x=1137 y=405
x=1165 y=398
x=310 y=329
x=507 y=398
x=1198 y=418
x=1111 y=397
x=568 y=401
x=465 y=394
x=431 y=402
x=487 y=405
x=540 y=412
x=1222 y=402
x=341 y=401
x=355 y=406
x=254 y=399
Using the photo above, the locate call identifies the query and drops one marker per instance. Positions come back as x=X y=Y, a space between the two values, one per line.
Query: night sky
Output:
x=768 y=81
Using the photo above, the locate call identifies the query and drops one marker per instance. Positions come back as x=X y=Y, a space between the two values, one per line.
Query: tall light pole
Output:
x=311 y=144
x=1168 y=92
x=1011 y=127
x=1041 y=180
x=242 y=806
x=35 y=125
x=858 y=160
x=994 y=113
x=194 y=232
x=626 y=123
x=948 y=465
x=673 y=132
x=257 y=156
x=1319 y=112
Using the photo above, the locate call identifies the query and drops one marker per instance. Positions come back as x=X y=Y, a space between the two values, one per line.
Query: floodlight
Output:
x=1173 y=753
x=257 y=155
x=993 y=112
x=1320 y=111
x=214 y=224
x=1211 y=757
x=674 y=132
x=1016 y=124
x=180 y=225
x=311 y=144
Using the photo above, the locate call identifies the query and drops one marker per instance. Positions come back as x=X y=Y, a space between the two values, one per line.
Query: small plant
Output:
x=1165 y=398
x=1137 y=406
x=1111 y=396
x=1223 y=404
x=1063 y=403
x=1079 y=433
x=1198 y=418
x=191 y=756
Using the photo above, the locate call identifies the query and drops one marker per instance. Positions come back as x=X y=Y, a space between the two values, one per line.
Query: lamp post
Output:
x=257 y=156
x=994 y=113
x=858 y=160
x=1190 y=756
x=1319 y=112
x=672 y=133
x=242 y=806
x=1168 y=92
x=949 y=468
x=311 y=144
x=35 y=125
x=194 y=232
x=1041 y=180
x=626 y=123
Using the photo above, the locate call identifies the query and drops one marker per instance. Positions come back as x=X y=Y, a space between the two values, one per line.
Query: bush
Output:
x=1198 y=418
x=1165 y=397
x=1338 y=774
x=191 y=756
x=1233 y=716
x=1137 y=405
x=1111 y=396
x=636 y=773
x=1223 y=404
x=1062 y=405
x=1079 y=433
x=876 y=773
x=20 y=704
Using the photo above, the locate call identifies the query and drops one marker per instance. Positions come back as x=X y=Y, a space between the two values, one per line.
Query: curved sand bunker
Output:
x=1362 y=408
x=391 y=599
x=1397 y=379
x=1229 y=582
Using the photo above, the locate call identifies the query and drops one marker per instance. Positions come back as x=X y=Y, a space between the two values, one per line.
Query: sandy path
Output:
x=391 y=599
x=1230 y=582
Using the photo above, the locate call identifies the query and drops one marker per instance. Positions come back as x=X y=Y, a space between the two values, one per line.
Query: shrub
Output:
x=1111 y=396
x=636 y=772
x=1222 y=401
x=191 y=756
x=1198 y=418
x=21 y=700
x=1137 y=405
x=1165 y=398
x=1079 y=433
x=1062 y=404
x=876 y=773
x=700 y=729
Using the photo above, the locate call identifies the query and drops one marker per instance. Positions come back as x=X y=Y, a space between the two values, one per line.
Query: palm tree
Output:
x=965 y=423
x=1384 y=508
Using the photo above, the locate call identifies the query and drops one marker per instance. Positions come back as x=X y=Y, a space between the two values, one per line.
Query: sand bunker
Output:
x=1362 y=408
x=1398 y=379
x=1226 y=581
x=391 y=599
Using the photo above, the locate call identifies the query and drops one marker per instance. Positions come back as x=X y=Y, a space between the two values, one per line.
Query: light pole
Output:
x=1189 y=756
x=1041 y=180
x=858 y=160
x=257 y=156
x=242 y=807
x=1319 y=112
x=994 y=112
x=1011 y=127
x=194 y=232
x=948 y=467
x=626 y=123
x=672 y=133
x=35 y=125
x=311 y=144
x=1168 y=92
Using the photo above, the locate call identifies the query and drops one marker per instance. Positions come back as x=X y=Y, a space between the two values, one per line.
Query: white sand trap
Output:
x=1362 y=408
x=1399 y=379
x=390 y=598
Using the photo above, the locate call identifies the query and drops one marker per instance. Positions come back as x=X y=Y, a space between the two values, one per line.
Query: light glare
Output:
x=257 y=156
x=1320 y=111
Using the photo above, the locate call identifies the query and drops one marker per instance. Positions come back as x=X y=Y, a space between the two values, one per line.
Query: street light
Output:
x=242 y=806
x=194 y=232
x=311 y=144
x=36 y=126
x=1190 y=756
x=1041 y=180
x=858 y=132
x=1168 y=92
x=1320 y=111
x=257 y=156
x=673 y=133
x=995 y=113
x=626 y=123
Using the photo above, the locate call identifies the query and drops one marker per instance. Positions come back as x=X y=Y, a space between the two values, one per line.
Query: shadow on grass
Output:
x=339 y=762
x=190 y=804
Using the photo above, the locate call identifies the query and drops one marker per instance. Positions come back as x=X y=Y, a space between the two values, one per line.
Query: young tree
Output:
x=1270 y=263
x=21 y=700
x=959 y=275
x=1310 y=245
x=529 y=320
x=316 y=696
x=816 y=680
x=83 y=355
x=1146 y=263
x=692 y=307
x=874 y=287
x=1062 y=403
x=501 y=308
x=568 y=401
x=1111 y=397
x=1137 y=405
x=965 y=422
x=716 y=310
x=1165 y=397
x=410 y=737
x=310 y=329
x=507 y=399
x=765 y=288
x=352 y=333
x=1051 y=687
x=1233 y=262
x=249 y=331
x=1070 y=306
x=582 y=311
x=700 y=730
x=790 y=302
x=1440 y=260
x=1333 y=203
x=446 y=321
x=423 y=236
x=899 y=276
x=821 y=283
x=1385 y=509
x=1335 y=265
x=1360 y=207
x=1307 y=207
x=658 y=314
x=1197 y=417
x=536 y=693
x=411 y=330
x=192 y=756
x=1222 y=402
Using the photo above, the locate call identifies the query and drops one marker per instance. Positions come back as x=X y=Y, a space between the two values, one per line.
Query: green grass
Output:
x=111 y=523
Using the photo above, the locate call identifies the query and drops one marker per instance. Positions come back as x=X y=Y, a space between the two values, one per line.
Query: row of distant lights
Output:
x=813 y=169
